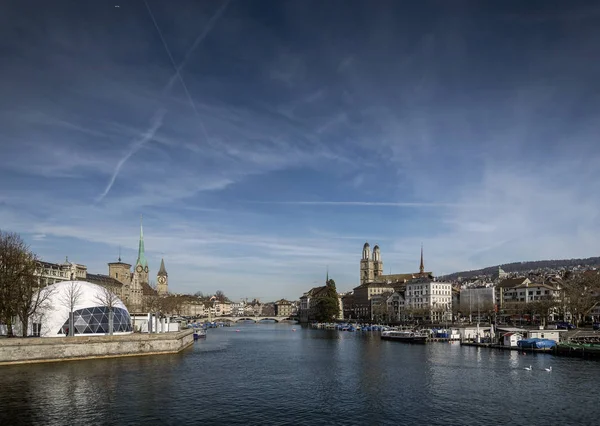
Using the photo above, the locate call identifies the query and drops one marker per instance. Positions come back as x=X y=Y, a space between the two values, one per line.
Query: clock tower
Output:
x=140 y=275
x=162 y=280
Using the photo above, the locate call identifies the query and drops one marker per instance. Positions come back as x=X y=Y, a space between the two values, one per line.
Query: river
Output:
x=269 y=374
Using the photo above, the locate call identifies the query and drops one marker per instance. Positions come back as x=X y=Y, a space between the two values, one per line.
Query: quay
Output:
x=55 y=349
x=507 y=348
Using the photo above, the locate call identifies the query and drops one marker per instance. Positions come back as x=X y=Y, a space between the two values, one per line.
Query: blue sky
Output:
x=264 y=141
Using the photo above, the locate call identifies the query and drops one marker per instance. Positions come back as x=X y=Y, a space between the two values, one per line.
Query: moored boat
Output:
x=404 y=336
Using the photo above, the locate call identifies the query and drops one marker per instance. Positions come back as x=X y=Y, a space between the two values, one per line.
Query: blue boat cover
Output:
x=536 y=343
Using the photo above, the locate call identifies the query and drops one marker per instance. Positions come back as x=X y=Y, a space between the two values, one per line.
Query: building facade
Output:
x=429 y=299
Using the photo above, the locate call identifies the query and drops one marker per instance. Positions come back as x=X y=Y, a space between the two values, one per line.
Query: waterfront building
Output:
x=237 y=308
x=428 y=299
x=529 y=292
x=396 y=306
x=348 y=307
x=91 y=311
x=308 y=302
x=283 y=308
x=505 y=285
x=363 y=295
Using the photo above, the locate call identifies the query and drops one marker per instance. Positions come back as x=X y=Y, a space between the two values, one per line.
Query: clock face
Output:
x=139 y=268
x=161 y=280
x=146 y=269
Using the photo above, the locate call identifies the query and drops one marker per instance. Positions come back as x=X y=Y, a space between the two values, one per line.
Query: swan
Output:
x=527 y=368
x=548 y=369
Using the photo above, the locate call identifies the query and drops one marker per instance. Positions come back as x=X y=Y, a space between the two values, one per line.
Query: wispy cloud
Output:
x=155 y=124
x=283 y=150
x=360 y=203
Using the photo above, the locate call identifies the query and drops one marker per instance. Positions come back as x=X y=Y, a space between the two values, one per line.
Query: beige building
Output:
x=363 y=295
x=371 y=268
x=506 y=285
x=283 y=308
x=52 y=273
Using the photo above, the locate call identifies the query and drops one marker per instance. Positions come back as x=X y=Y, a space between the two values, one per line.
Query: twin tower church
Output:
x=136 y=283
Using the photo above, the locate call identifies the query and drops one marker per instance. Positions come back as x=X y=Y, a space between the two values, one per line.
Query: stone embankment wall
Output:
x=50 y=349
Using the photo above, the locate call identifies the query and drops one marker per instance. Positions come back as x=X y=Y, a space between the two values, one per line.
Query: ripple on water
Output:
x=268 y=375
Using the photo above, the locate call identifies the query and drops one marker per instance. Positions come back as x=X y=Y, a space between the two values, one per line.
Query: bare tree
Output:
x=581 y=294
x=108 y=299
x=69 y=299
x=19 y=284
x=220 y=296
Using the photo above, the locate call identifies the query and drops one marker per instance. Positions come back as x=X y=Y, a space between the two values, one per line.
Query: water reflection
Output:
x=267 y=374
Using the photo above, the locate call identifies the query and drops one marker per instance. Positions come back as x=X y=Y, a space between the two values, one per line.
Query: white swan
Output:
x=548 y=369
x=527 y=368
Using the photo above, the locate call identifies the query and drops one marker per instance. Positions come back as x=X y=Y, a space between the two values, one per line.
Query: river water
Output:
x=269 y=374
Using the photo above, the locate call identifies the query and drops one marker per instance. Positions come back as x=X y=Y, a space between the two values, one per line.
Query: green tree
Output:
x=327 y=307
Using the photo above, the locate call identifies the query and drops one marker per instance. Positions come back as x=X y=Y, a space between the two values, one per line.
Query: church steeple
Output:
x=162 y=272
x=422 y=266
x=141 y=260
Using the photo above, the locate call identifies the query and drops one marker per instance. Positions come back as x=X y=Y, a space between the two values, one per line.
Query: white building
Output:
x=90 y=311
x=429 y=298
x=511 y=339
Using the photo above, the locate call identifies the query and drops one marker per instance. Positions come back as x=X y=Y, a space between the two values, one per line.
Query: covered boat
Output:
x=536 y=343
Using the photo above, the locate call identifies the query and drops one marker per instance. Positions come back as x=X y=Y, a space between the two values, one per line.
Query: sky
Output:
x=265 y=142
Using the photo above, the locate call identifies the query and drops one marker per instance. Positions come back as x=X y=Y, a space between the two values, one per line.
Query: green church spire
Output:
x=141 y=260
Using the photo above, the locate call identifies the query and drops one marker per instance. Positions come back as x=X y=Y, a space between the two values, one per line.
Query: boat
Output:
x=404 y=336
x=199 y=333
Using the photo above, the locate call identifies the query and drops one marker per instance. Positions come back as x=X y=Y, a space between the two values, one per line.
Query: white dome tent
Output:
x=90 y=314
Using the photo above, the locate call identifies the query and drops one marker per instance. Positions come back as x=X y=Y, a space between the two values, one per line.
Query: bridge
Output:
x=255 y=319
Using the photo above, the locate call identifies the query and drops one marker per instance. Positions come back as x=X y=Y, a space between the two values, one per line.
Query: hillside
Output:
x=526 y=266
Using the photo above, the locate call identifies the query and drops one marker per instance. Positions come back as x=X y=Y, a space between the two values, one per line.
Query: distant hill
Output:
x=526 y=266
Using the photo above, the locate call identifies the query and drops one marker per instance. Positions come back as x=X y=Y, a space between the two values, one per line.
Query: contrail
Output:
x=360 y=203
x=177 y=75
x=156 y=122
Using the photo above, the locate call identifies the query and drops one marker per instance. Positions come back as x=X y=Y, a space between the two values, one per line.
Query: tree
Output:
x=327 y=306
x=69 y=299
x=19 y=285
x=581 y=294
x=220 y=296
x=199 y=294
x=109 y=299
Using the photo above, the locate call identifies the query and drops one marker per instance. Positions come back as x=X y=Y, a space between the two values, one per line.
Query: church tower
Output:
x=422 y=265
x=162 y=280
x=377 y=263
x=367 y=268
x=140 y=275
x=121 y=271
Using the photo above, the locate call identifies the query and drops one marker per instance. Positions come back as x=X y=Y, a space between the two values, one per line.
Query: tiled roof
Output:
x=147 y=290
x=512 y=282
x=103 y=280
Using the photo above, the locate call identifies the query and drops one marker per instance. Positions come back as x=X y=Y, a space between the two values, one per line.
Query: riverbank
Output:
x=562 y=349
x=55 y=349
